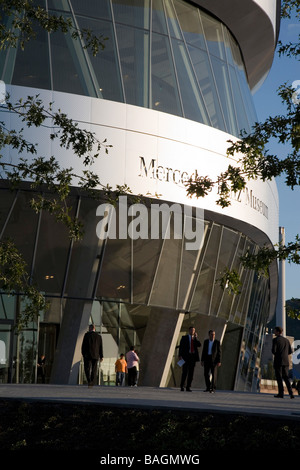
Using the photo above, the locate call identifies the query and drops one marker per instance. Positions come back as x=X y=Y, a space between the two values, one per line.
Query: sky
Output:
x=268 y=103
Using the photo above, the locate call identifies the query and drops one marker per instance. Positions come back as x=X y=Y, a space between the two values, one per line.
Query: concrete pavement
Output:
x=158 y=398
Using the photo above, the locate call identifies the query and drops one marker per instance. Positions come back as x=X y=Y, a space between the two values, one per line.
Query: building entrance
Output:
x=48 y=334
x=6 y=343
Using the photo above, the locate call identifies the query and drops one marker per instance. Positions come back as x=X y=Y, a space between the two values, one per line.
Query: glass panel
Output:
x=247 y=97
x=227 y=252
x=115 y=276
x=115 y=279
x=22 y=227
x=5 y=353
x=69 y=66
x=134 y=13
x=105 y=65
x=121 y=326
x=164 y=87
x=158 y=17
x=237 y=61
x=190 y=263
x=243 y=299
x=85 y=254
x=134 y=55
x=224 y=91
x=7 y=198
x=229 y=43
x=205 y=283
x=60 y=5
x=165 y=285
x=193 y=105
x=92 y=8
x=208 y=87
x=191 y=26
x=243 y=123
x=48 y=334
x=213 y=35
x=26 y=355
x=173 y=24
x=145 y=258
x=31 y=67
x=231 y=347
x=7 y=55
x=51 y=255
x=7 y=307
x=229 y=302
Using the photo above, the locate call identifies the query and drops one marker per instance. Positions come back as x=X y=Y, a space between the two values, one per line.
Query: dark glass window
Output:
x=133 y=12
x=51 y=255
x=92 y=8
x=134 y=54
x=104 y=66
x=69 y=66
x=165 y=95
x=30 y=67
x=22 y=227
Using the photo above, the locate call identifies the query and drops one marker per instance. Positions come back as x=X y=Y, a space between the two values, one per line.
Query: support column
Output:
x=280 y=308
x=67 y=357
x=158 y=346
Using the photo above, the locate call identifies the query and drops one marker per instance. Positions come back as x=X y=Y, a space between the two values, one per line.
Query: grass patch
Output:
x=32 y=426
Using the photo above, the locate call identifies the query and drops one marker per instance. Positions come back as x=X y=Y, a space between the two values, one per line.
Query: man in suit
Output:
x=211 y=360
x=91 y=350
x=281 y=349
x=188 y=351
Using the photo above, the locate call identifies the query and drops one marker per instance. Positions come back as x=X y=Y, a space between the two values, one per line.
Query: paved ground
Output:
x=166 y=398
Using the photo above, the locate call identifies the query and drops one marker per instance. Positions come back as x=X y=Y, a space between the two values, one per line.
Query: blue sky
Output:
x=268 y=103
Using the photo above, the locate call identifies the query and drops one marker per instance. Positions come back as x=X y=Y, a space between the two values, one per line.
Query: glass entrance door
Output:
x=6 y=370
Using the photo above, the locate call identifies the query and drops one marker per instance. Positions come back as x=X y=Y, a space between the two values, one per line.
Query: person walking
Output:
x=188 y=351
x=281 y=349
x=211 y=360
x=92 y=351
x=121 y=369
x=132 y=366
x=41 y=368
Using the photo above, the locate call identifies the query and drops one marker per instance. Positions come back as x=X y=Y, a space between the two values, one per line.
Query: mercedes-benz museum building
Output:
x=172 y=86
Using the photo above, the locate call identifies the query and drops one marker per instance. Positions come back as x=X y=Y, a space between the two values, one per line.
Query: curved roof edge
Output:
x=255 y=25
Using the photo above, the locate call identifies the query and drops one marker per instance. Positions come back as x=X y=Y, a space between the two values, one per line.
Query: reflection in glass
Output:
x=167 y=55
x=22 y=227
x=69 y=66
x=134 y=55
x=22 y=70
x=190 y=23
x=104 y=66
x=193 y=105
x=165 y=94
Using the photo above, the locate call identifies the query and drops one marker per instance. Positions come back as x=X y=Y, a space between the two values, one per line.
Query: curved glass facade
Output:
x=166 y=55
x=127 y=280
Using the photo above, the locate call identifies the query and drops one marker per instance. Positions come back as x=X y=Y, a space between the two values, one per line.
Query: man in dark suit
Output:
x=281 y=349
x=211 y=360
x=91 y=350
x=188 y=351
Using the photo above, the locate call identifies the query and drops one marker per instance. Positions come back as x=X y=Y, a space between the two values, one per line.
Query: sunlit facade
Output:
x=171 y=87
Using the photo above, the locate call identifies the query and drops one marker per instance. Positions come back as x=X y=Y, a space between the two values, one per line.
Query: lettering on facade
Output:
x=162 y=173
x=150 y=169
